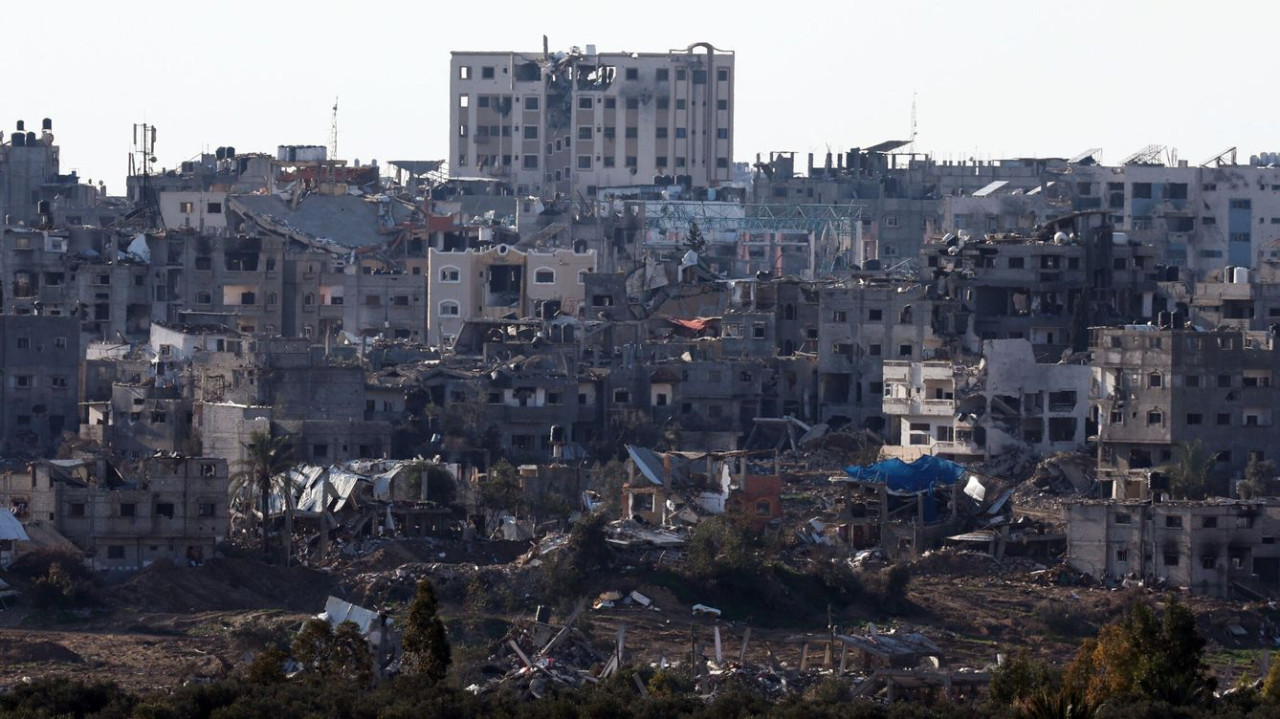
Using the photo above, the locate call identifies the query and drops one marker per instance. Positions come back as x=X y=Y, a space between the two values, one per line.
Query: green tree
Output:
x=1271 y=685
x=440 y=485
x=721 y=544
x=326 y=653
x=264 y=471
x=1019 y=679
x=1156 y=657
x=501 y=491
x=694 y=239
x=267 y=667
x=1191 y=476
x=607 y=479
x=426 y=643
x=566 y=573
x=1257 y=475
x=1064 y=703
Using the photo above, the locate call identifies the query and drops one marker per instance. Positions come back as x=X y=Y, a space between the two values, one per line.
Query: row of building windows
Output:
x=26 y=381
x=1156 y=379
x=130 y=509
x=501 y=104
x=585 y=132
x=845 y=349
x=1249 y=418
x=24 y=343
x=632 y=74
x=585 y=162
x=541 y=276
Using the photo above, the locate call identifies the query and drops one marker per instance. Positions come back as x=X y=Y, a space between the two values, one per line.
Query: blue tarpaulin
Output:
x=917 y=476
x=900 y=477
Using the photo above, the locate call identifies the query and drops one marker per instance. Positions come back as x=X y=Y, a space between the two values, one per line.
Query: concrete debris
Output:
x=629 y=534
x=702 y=610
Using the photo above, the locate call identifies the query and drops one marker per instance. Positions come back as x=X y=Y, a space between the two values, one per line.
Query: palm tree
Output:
x=1191 y=475
x=264 y=469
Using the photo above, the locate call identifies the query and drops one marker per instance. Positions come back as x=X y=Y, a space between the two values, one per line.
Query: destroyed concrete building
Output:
x=85 y=273
x=502 y=281
x=678 y=488
x=172 y=508
x=1201 y=217
x=234 y=280
x=1047 y=287
x=902 y=193
x=1221 y=548
x=1155 y=388
x=906 y=508
x=567 y=123
x=860 y=325
x=1006 y=403
x=40 y=361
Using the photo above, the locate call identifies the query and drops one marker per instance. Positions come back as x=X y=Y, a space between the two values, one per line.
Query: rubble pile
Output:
x=1056 y=477
x=452 y=581
x=1061 y=575
x=536 y=659
x=962 y=562
x=825 y=451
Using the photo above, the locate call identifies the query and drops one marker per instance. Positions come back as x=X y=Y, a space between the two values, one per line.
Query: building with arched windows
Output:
x=501 y=281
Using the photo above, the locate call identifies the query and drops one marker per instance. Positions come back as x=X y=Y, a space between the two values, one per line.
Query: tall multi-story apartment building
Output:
x=565 y=124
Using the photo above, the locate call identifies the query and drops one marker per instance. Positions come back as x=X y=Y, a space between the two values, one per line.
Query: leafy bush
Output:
x=1063 y=618
x=59 y=579
x=59 y=697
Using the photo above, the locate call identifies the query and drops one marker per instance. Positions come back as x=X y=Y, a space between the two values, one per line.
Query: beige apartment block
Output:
x=566 y=123
x=499 y=282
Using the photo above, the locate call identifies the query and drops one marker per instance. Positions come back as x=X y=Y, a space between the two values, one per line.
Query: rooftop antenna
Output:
x=141 y=158
x=912 y=142
x=333 y=131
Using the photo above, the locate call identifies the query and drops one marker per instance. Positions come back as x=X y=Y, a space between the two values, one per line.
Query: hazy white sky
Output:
x=992 y=78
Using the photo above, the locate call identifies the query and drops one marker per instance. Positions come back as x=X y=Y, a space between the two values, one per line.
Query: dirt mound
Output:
x=224 y=584
x=40 y=652
x=388 y=554
x=387 y=557
x=955 y=563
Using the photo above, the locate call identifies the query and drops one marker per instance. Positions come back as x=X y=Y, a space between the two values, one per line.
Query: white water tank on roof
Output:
x=1242 y=276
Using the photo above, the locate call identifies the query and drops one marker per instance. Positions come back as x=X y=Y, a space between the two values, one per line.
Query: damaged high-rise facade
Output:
x=565 y=124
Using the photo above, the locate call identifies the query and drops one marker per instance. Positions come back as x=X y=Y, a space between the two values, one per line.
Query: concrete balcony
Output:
x=917 y=407
x=908 y=453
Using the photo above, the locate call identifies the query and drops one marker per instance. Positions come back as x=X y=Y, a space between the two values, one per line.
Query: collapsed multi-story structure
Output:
x=1047 y=287
x=1006 y=403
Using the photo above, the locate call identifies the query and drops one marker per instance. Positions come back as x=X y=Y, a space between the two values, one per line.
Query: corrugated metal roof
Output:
x=992 y=187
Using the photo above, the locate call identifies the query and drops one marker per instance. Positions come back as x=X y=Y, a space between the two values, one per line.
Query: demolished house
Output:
x=172 y=508
x=355 y=500
x=1006 y=403
x=911 y=507
x=674 y=488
